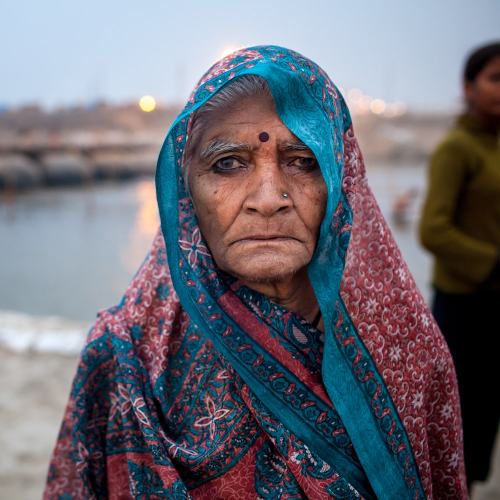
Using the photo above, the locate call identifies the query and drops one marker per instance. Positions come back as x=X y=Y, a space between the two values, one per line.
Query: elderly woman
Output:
x=273 y=343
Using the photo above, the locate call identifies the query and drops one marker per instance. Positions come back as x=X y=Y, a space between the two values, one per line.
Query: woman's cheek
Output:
x=317 y=196
x=219 y=207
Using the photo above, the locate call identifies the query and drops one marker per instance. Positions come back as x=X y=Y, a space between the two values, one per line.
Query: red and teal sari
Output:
x=196 y=386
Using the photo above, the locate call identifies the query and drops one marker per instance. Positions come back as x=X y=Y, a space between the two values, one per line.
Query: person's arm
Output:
x=467 y=257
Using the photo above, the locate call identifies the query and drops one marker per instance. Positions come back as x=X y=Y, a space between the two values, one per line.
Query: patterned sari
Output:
x=196 y=386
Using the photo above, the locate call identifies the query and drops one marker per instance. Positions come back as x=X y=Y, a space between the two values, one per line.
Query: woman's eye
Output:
x=495 y=77
x=304 y=163
x=227 y=164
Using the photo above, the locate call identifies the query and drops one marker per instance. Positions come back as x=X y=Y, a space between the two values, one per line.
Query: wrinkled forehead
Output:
x=236 y=117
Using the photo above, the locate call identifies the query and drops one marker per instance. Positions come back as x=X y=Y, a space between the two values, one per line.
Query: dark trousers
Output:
x=471 y=327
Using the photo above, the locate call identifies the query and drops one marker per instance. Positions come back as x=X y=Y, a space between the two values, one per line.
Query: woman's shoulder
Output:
x=458 y=145
x=455 y=143
x=148 y=314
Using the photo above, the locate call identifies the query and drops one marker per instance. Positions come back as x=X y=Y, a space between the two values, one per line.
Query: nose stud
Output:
x=285 y=195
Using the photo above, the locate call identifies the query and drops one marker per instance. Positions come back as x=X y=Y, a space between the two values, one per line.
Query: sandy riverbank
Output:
x=34 y=391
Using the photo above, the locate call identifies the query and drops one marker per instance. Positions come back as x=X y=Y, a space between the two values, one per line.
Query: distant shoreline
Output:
x=80 y=146
x=24 y=180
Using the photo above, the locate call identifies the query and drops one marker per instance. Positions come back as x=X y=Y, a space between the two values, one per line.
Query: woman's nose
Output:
x=267 y=190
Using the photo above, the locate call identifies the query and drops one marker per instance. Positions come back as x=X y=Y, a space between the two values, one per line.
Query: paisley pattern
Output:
x=195 y=386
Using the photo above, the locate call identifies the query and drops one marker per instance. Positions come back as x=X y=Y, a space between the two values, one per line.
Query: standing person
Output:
x=273 y=344
x=460 y=226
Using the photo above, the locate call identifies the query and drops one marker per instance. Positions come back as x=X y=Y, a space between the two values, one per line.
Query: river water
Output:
x=69 y=252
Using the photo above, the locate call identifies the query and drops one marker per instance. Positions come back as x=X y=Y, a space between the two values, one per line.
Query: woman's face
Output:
x=483 y=94
x=245 y=160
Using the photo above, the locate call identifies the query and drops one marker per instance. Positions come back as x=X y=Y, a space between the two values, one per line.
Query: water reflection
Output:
x=146 y=224
x=61 y=249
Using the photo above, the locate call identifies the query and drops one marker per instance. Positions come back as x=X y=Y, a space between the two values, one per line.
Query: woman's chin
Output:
x=268 y=270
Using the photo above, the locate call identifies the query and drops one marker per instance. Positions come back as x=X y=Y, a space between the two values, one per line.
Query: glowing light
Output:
x=147 y=103
x=354 y=95
x=229 y=50
x=363 y=103
x=377 y=106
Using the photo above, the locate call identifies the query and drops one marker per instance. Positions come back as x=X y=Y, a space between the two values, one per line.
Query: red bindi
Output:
x=263 y=137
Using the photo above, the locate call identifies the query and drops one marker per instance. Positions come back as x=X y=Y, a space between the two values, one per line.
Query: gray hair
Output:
x=240 y=88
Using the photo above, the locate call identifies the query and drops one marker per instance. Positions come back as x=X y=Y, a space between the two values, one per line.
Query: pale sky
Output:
x=63 y=52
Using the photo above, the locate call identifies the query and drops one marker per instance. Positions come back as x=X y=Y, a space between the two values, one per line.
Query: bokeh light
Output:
x=377 y=106
x=229 y=50
x=147 y=103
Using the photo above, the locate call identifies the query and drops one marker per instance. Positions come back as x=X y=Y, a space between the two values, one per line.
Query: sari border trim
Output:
x=387 y=456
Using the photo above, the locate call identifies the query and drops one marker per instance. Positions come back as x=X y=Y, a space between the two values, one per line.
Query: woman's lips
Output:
x=265 y=238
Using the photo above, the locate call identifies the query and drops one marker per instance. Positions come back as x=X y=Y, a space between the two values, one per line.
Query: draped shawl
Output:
x=196 y=386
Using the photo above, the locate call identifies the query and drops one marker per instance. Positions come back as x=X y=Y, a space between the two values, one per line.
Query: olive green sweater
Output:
x=460 y=222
